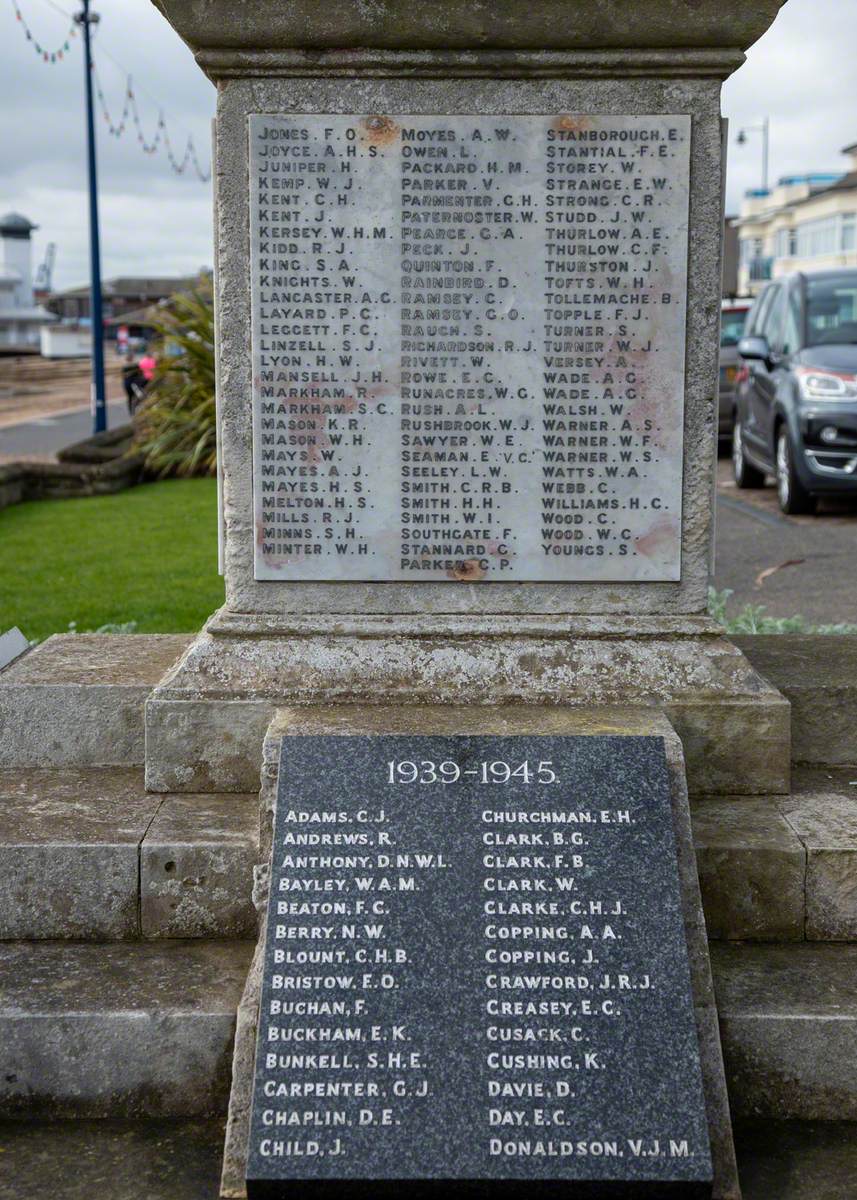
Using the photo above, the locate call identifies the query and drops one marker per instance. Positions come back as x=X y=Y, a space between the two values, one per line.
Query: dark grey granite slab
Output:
x=480 y=983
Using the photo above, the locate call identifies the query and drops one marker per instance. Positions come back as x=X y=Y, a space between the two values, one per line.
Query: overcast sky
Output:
x=801 y=74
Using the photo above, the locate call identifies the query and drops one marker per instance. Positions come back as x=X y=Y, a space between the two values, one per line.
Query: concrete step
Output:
x=797 y=1160
x=77 y=699
x=89 y=854
x=180 y=1159
x=118 y=1030
x=788 y=1024
x=175 y=1159
x=817 y=673
x=781 y=868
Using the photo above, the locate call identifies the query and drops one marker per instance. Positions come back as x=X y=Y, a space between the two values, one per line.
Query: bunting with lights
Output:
x=48 y=56
x=130 y=109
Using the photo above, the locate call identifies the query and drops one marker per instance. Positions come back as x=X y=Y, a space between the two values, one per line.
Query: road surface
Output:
x=42 y=437
x=820 y=580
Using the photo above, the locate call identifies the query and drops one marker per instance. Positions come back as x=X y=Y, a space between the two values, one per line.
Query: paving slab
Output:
x=752 y=868
x=788 y=1025
x=141 y=1029
x=826 y=823
x=77 y=699
x=196 y=868
x=69 y=852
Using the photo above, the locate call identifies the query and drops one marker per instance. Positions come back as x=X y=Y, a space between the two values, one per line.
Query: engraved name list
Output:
x=468 y=346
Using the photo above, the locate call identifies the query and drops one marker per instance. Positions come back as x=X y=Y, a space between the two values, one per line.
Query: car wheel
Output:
x=746 y=475
x=792 y=495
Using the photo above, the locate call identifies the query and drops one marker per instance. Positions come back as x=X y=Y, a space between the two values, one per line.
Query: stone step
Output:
x=796 y=1160
x=77 y=699
x=788 y=1025
x=168 y=1159
x=781 y=868
x=179 y=1159
x=118 y=1030
x=89 y=854
x=817 y=673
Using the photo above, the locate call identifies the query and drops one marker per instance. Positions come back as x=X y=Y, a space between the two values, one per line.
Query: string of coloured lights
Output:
x=117 y=128
x=48 y=56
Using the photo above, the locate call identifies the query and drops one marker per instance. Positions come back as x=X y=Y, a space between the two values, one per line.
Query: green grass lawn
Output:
x=147 y=555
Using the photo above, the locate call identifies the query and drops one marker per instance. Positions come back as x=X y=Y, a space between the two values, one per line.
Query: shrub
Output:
x=175 y=424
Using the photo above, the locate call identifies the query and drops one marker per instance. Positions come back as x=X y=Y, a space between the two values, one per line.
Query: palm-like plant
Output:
x=175 y=425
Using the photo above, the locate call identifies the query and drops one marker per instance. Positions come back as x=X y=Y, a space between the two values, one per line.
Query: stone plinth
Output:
x=297 y=637
x=206 y=720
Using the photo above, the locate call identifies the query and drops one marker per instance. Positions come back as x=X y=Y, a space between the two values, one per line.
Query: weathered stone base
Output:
x=77 y=699
x=519 y=719
x=206 y=719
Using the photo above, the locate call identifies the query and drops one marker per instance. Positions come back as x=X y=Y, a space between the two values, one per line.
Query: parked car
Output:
x=795 y=414
x=733 y=314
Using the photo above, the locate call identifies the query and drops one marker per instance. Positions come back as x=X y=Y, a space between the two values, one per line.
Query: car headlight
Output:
x=825 y=385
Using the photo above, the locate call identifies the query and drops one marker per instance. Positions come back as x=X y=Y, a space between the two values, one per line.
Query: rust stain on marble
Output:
x=468 y=571
x=379 y=131
x=570 y=124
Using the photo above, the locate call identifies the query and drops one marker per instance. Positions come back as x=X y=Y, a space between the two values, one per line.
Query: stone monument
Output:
x=468 y=286
x=466 y=371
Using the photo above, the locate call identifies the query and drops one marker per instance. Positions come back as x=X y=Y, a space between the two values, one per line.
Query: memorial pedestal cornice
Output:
x=378 y=63
x=460 y=37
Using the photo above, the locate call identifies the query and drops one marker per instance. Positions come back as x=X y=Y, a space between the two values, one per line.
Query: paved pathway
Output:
x=820 y=582
x=43 y=436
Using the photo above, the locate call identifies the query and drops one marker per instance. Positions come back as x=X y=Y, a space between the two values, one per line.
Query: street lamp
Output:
x=764 y=129
x=87 y=20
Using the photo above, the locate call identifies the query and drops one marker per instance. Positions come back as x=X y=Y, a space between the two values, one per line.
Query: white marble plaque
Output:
x=468 y=346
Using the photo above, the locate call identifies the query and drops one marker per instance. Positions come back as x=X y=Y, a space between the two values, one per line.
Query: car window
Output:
x=791 y=329
x=831 y=310
x=732 y=321
x=772 y=324
x=754 y=325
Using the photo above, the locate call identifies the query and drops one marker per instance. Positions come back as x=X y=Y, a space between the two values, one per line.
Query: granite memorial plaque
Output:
x=476 y=973
x=468 y=346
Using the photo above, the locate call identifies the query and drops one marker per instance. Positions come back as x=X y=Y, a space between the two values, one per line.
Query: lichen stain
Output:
x=378 y=131
x=569 y=124
x=468 y=571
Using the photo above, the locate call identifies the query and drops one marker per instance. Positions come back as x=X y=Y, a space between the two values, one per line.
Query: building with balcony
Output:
x=805 y=223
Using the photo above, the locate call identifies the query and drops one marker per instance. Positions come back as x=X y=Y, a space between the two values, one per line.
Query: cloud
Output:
x=800 y=74
x=152 y=221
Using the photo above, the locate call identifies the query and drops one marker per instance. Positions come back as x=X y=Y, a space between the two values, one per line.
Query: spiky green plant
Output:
x=175 y=424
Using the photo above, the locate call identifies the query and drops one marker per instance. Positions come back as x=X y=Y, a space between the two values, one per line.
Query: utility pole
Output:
x=99 y=403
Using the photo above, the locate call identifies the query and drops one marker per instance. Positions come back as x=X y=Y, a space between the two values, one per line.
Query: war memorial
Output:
x=460 y=852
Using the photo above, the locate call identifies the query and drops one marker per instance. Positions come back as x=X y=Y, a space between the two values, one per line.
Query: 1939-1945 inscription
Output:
x=476 y=973
x=468 y=346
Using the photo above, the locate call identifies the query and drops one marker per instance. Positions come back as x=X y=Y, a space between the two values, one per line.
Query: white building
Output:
x=20 y=317
x=805 y=223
